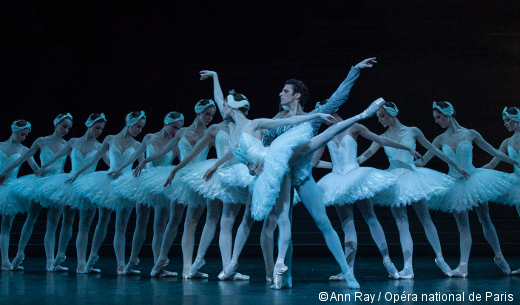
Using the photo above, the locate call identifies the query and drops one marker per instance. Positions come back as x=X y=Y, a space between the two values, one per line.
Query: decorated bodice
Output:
x=271 y=134
x=514 y=154
x=185 y=149
x=117 y=158
x=222 y=147
x=46 y=154
x=462 y=156
x=5 y=161
x=344 y=155
x=249 y=149
x=78 y=161
x=162 y=161
x=400 y=158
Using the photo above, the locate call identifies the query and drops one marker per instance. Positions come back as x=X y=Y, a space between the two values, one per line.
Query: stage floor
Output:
x=310 y=278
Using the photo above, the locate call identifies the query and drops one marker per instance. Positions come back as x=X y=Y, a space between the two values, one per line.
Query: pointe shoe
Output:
x=445 y=268
x=18 y=259
x=92 y=259
x=196 y=275
x=240 y=277
x=268 y=279
x=199 y=262
x=516 y=272
x=129 y=268
x=7 y=266
x=352 y=283
x=121 y=270
x=228 y=271
x=279 y=270
x=337 y=277
x=158 y=268
x=406 y=273
x=80 y=269
x=502 y=263
x=461 y=270
x=372 y=109
x=392 y=270
x=166 y=273
x=59 y=269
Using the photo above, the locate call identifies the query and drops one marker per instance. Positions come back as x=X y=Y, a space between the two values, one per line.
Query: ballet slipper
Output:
x=445 y=268
x=199 y=262
x=59 y=269
x=132 y=263
x=228 y=271
x=6 y=266
x=461 y=270
x=166 y=273
x=337 y=277
x=352 y=283
x=406 y=273
x=121 y=270
x=390 y=267
x=279 y=270
x=60 y=258
x=159 y=265
x=18 y=259
x=196 y=275
x=502 y=263
x=516 y=272
x=92 y=259
x=268 y=279
x=372 y=109
x=80 y=269
x=240 y=277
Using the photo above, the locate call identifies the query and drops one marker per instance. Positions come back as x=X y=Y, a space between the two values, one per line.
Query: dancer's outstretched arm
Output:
x=138 y=153
x=383 y=141
x=490 y=149
x=100 y=154
x=37 y=144
x=163 y=151
x=217 y=91
x=62 y=152
x=273 y=123
x=226 y=157
x=374 y=147
x=495 y=161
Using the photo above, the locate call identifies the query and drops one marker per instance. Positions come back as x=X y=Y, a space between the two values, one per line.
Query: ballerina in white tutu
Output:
x=510 y=146
x=54 y=189
x=414 y=186
x=131 y=187
x=25 y=187
x=97 y=188
x=348 y=184
x=178 y=193
x=472 y=193
x=10 y=205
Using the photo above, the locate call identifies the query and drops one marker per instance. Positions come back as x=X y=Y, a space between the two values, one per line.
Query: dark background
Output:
x=121 y=56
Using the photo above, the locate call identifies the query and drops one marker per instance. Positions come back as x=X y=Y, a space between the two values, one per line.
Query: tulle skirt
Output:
x=214 y=188
x=54 y=192
x=413 y=186
x=359 y=183
x=512 y=197
x=98 y=189
x=10 y=205
x=266 y=187
x=483 y=185
x=24 y=188
x=138 y=188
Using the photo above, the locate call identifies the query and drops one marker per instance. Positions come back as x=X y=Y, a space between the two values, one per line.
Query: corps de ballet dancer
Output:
x=510 y=146
x=26 y=186
x=10 y=205
x=178 y=193
x=130 y=187
x=350 y=184
x=97 y=188
x=414 y=186
x=475 y=191
x=53 y=189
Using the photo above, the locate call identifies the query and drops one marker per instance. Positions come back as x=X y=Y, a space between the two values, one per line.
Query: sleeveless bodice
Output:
x=400 y=158
x=222 y=147
x=57 y=167
x=117 y=158
x=514 y=154
x=185 y=149
x=344 y=155
x=5 y=161
x=462 y=156
x=249 y=149
x=162 y=161
x=78 y=161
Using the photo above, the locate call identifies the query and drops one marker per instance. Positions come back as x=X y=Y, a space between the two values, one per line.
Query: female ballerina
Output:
x=348 y=184
x=97 y=188
x=473 y=193
x=414 y=186
x=11 y=150
x=179 y=194
x=25 y=187
x=54 y=190
x=130 y=187
x=510 y=146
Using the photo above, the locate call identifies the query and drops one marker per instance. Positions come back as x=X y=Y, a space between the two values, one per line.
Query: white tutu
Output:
x=97 y=188
x=214 y=188
x=11 y=205
x=137 y=190
x=512 y=197
x=54 y=192
x=359 y=183
x=24 y=188
x=266 y=187
x=483 y=185
x=151 y=190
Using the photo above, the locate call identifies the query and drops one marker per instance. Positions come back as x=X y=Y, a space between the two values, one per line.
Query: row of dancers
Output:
x=259 y=162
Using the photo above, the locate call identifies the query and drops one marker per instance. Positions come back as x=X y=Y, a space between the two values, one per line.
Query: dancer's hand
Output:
x=71 y=179
x=40 y=172
x=115 y=173
x=256 y=169
x=462 y=172
x=367 y=63
x=416 y=155
x=138 y=169
x=205 y=74
x=327 y=118
x=209 y=173
x=170 y=178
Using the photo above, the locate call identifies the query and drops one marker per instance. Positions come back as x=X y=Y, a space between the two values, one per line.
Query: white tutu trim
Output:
x=9 y=204
x=512 y=197
x=23 y=188
x=97 y=188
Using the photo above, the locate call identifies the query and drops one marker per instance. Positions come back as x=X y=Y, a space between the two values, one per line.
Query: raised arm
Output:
x=273 y=123
x=494 y=162
x=217 y=91
x=62 y=152
x=491 y=150
x=163 y=151
x=383 y=141
x=137 y=154
x=368 y=153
